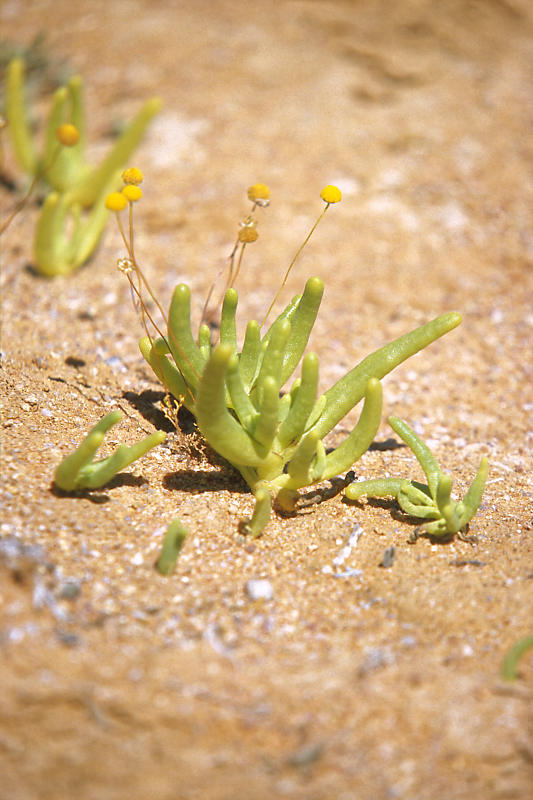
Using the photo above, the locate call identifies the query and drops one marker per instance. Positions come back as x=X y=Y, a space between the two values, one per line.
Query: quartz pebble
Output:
x=259 y=589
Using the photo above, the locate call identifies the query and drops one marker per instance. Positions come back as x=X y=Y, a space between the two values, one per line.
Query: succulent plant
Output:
x=66 y=236
x=432 y=501
x=79 y=471
x=275 y=440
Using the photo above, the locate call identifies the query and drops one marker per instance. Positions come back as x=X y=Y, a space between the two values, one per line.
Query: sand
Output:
x=348 y=680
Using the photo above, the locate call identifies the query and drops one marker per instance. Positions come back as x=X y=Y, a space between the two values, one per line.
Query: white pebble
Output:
x=259 y=589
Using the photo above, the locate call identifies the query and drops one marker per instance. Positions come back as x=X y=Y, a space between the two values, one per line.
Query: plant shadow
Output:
x=201 y=480
x=99 y=496
x=146 y=403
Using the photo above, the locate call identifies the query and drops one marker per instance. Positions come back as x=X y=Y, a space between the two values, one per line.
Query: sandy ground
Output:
x=353 y=681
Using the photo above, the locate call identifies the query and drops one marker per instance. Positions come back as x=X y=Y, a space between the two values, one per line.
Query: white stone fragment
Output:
x=259 y=589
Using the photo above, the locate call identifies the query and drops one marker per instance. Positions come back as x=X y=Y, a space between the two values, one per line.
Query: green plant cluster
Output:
x=74 y=215
x=432 y=501
x=275 y=440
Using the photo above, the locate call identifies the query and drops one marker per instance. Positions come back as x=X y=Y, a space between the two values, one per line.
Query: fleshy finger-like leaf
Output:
x=228 y=333
x=184 y=349
x=66 y=474
x=91 y=187
x=472 y=499
x=415 y=502
x=267 y=420
x=167 y=372
x=423 y=454
x=362 y=436
x=272 y=360
x=251 y=351
x=17 y=113
x=219 y=427
x=242 y=405
x=92 y=476
x=301 y=406
x=380 y=487
x=300 y=464
x=172 y=544
x=50 y=247
x=349 y=390
x=302 y=321
x=77 y=470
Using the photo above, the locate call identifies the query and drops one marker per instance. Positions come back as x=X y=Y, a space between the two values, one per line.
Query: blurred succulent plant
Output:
x=432 y=501
x=65 y=236
x=66 y=170
x=79 y=471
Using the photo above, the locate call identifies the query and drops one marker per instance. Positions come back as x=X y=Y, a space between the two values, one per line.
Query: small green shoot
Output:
x=509 y=669
x=78 y=470
x=432 y=501
x=172 y=544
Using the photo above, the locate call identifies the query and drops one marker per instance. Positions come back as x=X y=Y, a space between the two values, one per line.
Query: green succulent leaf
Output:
x=17 y=115
x=349 y=390
x=93 y=181
x=362 y=436
x=172 y=544
x=223 y=432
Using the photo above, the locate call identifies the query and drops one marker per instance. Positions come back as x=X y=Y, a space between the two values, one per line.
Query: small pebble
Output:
x=388 y=557
x=69 y=590
x=259 y=589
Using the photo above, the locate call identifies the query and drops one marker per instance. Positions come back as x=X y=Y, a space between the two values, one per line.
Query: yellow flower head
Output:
x=247 y=235
x=331 y=194
x=67 y=134
x=132 y=175
x=132 y=193
x=259 y=193
x=125 y=265
x=116 y=201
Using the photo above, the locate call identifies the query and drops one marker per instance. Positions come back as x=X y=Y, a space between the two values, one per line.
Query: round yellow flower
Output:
x=116 y=201
x=67 y=134
x=247 y=235
x=259 y=193
x=132 y=175
x=132 y=193
x=331 y=194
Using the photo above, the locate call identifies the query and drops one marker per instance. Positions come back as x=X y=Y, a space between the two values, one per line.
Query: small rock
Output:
x=259 y=589
x=69 y=590
x=388 y=557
